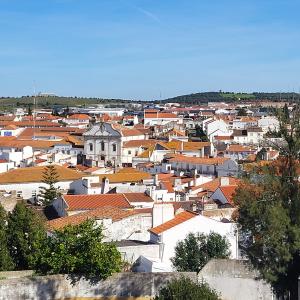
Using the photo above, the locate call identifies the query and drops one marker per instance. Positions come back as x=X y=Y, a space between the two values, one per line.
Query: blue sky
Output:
x=139 y=49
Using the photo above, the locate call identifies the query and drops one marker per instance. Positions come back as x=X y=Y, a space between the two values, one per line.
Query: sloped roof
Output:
x=228 y=191
x=215 y=183
x=178 y=219
x=199 y=160
x=87 y=202
x=79 y=117
x=35 y=174
x=106 y=212
x=137 y=197
x=139 y=143
x=126 y=177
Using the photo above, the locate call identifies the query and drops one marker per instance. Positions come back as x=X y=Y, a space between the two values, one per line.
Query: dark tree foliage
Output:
x=242 y=112
x=269 y=214
x=78 y=250
x=50 y=178
x=196 y=250
x=185 y=289
x=261 y=154
x=29 y=110
x=25 y=234
x=6 y=262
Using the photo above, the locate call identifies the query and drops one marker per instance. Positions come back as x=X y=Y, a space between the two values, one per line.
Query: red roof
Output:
x=106 y=212
x=160 y=115
x=87 y=202
x=79 y=117
x=228 y=191
x=168 y=186
x=178 y=219
x=137 y=197
x=199 y=160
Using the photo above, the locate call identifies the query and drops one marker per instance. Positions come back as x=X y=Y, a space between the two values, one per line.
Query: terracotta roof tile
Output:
x=35 y=174
x=228 y=191
x=79 y=117
x=126 y=177
x=87 y=202
x=137 y=197
x=106 y=212
x=178 y=219
x=199 y=160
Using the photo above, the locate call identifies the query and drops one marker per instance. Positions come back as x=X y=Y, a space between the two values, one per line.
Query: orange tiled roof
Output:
x=35 y=174
x=79 y=117
x=239 y=148
x=106 y=212
x=37 y=123
x=223 y=137
x=14 y=142
x=161 y=115
x=178 y=219
x=168 y=186
x=186 y=146
x=11 y=127
x=137 y=197
x=139 y=143
x=214 y=184
x=87 y=202
x=126 y=177
x=199 y=160
x=228 y=191
x=130 y=132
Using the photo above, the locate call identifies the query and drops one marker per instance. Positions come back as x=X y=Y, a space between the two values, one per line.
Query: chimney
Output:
x=224 y=181
x=156 y=181
x=105 y=186
x=162 y=213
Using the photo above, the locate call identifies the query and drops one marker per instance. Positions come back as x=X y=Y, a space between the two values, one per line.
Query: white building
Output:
x=103 y=143
x=170 y=232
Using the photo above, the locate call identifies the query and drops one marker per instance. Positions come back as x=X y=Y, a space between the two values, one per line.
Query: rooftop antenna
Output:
x=34 y=106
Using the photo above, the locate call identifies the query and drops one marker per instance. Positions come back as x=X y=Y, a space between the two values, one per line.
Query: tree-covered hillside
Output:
x=220 y=96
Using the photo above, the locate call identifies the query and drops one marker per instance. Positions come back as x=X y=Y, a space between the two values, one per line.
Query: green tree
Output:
x=261 y=154
x=242 y=112
x=285 y=113
x=29 y=110
x=25 y=235
x=195 y=251
x=6 y=262
x=78 y=250
x=200 y=133
x=185 y=289
x=50 y=178
x=269 y=214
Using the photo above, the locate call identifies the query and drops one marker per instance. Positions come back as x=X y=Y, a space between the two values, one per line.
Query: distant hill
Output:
x=51 y=101
x=205 y=97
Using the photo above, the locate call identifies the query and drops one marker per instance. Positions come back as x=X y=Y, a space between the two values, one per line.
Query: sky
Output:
x=148 y=49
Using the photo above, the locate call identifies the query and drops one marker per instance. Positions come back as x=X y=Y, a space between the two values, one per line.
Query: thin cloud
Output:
x=143 y=11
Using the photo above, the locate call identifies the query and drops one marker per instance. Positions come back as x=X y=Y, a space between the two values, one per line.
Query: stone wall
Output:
x=118 y=286
x=234 y=280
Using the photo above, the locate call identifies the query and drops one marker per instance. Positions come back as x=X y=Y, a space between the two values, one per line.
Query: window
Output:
x=91 y=146
x=129 y=152
x=114 y=147
x=102 y=146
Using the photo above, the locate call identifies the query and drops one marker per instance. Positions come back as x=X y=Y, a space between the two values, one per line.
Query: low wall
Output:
x=233 y=280
x=118 y=286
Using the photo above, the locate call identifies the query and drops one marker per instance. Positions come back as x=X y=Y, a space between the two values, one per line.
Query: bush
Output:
x=196 y=250
x=185 y=289
x=78 y=250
